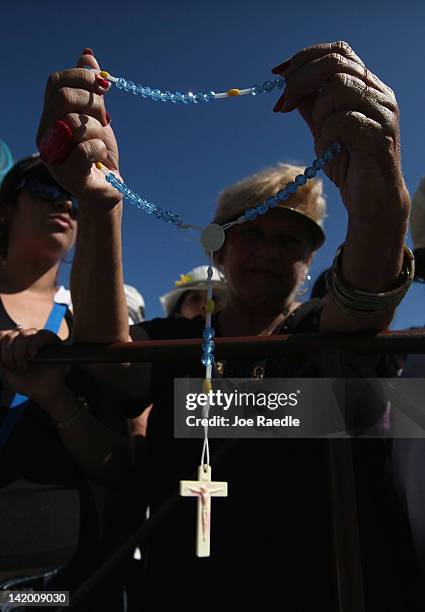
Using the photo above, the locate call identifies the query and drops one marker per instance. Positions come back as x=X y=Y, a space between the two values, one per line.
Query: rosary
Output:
x=212 y=239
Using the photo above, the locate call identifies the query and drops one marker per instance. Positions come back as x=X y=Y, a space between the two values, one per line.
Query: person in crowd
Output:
x=189 y=297
x=273 y=536
x=135 y=304
x=62 y=448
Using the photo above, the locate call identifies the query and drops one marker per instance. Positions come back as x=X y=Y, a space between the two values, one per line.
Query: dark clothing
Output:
x=272 y=537
x=51 y=515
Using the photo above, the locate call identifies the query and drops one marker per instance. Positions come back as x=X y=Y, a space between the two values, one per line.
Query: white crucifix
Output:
x=203 y=489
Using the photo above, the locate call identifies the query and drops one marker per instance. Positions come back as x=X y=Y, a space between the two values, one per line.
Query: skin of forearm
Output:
x=372 y=261
x=103 y=454
x=100 y=310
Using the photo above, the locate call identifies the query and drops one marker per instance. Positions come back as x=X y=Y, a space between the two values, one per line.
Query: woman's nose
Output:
x=67 y=204
x=63 y=204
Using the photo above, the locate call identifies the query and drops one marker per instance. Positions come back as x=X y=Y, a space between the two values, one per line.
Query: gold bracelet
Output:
x=81 y=411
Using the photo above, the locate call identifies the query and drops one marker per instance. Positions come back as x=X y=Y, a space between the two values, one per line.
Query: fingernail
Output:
x=87 y=51
x=108 y=117
x=57 y=143
x=102 y=82
x=281 y=67
x=278 y=106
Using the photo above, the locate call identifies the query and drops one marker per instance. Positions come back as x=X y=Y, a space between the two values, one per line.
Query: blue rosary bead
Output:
x=292 y=187
x=210 y=96
x=177 y=220
x=145 y=92
x=207 y=359
x=300 y=180
x=208 y=347
x=262 y=208
x=268 y=86
x=158 y=212
x=327 y=155
x=176 y=97
x=280 y=83
x=310 y=172
x=166 y=96
x=283 y=194
x=256 y=90
x=121 y=83
x=198 y=97
x=188 y=98
x=335 y=148
x=250 y=214
x=272 y=202
x=155 y=95
x=208 y=333
x=318 y=164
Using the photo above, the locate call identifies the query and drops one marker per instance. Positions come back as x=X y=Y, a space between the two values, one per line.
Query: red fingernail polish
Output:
x=277 y=107
x=281 y=67
x=87 y=51
x=102 y=82
x=108 y=117
x=57 y=143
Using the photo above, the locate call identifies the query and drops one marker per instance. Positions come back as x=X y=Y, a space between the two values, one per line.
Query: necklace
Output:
x=212 y=239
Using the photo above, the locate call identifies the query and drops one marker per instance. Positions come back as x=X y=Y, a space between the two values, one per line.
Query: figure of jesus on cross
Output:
x=203 y=489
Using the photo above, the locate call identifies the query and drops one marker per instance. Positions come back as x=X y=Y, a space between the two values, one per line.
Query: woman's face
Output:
x=46 y=228
x=265 y=260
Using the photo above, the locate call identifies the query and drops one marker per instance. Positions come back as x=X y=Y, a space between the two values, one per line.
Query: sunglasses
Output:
x=47 y=191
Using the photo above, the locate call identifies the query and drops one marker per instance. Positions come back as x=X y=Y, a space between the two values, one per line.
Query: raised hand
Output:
x=342 y=101
x=75 y=132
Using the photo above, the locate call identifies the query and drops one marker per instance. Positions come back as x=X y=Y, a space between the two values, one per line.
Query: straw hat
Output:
x=195 y=280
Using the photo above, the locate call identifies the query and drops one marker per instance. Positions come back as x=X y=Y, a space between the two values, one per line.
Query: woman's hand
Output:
x=74 y=133
x=342 y=101
x=41 y=382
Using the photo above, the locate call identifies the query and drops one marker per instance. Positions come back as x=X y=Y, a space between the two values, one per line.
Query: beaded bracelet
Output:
x=357 y=302
x=81 y=411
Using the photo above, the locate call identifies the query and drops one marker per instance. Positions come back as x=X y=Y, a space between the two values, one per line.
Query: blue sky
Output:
x=180 y=157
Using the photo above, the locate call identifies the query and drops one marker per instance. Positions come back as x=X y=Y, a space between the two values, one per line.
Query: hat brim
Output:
x=29 y=165
x=170 y=299
x=317 y=235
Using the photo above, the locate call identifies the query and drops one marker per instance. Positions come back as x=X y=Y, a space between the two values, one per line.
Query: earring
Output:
x=303 y=290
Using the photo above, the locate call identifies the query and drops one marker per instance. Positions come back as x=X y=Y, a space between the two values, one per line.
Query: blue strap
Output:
x=18 y=404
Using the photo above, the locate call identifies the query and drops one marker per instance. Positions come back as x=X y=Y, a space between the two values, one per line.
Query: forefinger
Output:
x=313 y=52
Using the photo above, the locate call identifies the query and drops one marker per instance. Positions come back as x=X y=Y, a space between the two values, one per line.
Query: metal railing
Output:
x=343 y=495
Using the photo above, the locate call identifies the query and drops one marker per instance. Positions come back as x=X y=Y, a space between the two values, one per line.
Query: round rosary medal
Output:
x=212 y=237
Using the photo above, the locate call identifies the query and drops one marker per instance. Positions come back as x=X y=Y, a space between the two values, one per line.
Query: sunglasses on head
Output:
x=47 y=191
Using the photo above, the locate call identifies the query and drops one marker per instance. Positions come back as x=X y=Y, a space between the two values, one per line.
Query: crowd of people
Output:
x=88 y=453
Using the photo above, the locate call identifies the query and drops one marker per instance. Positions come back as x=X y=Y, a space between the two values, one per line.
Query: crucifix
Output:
x=203 y=489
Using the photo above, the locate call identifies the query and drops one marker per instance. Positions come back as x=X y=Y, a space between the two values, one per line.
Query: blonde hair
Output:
x=256 y=188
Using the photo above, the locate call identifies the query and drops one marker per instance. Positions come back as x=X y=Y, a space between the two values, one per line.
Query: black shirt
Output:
x=271 y=539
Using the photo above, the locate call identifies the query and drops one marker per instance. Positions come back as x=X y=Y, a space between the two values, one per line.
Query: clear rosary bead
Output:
x=155 y=95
